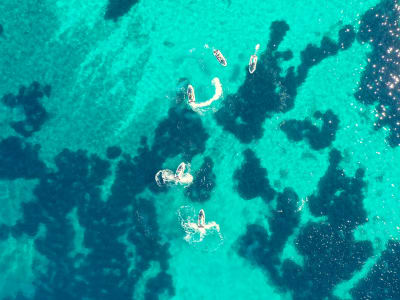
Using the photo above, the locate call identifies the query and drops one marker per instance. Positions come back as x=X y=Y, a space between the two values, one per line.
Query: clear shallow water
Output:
x=296 y=163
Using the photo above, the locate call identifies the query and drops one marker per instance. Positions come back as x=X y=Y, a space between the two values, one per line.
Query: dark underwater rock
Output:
x=252 y=180
x=382 y=281
x=379 y=84
x=35 y=114
x=113 y=152
x=19 y=159
x=118 y=8
x=267 y=92
x=318 y=138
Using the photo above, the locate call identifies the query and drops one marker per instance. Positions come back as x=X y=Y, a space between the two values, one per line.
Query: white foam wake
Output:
x=218 y=93
x=181 y=176
x=206 y=233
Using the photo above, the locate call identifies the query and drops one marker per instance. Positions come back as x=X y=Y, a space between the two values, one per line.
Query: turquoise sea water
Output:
x=296 y=163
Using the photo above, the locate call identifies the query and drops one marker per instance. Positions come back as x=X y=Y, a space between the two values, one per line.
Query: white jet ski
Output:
x=180 y=170
x=252 y=64
x=253 y=60
x=220 y=57
x=190 y=94
x=201 y=221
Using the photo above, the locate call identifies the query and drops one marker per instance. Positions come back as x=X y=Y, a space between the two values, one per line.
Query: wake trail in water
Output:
x=201 y=234
x=192 y=100
x=182 y=176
